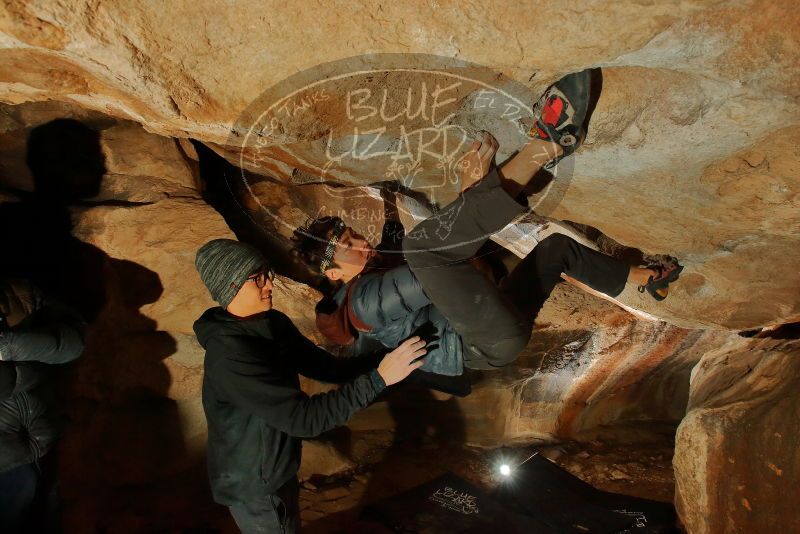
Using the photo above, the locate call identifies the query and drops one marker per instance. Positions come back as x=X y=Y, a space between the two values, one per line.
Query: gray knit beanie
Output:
x=224 y=265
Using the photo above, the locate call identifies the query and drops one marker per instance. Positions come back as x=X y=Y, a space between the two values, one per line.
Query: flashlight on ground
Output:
x=506 y=470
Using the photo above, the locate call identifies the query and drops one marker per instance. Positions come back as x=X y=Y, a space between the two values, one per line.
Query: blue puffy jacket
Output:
x=394 y=306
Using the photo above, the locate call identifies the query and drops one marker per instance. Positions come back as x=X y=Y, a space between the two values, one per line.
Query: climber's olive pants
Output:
x=495 y=323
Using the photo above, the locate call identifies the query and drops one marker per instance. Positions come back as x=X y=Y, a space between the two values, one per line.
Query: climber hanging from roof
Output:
x=475 y=323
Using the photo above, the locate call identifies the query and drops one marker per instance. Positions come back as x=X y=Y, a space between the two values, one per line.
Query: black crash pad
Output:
x=567 y=504
x=539 y=497
x=449 y=504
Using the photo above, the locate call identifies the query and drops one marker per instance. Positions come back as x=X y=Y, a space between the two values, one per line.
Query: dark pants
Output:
x=495 y=324
x=17 y=494
x=274 y=514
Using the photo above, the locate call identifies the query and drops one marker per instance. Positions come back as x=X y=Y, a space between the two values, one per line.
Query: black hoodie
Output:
x=255 y=409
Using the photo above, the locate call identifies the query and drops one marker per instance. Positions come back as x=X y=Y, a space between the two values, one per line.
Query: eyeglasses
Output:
x=261 y=278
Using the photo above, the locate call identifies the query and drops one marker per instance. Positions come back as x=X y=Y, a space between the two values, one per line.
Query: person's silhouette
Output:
x=67 y=165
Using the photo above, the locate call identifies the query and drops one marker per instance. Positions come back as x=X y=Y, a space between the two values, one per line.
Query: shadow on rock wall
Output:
x=422 y=422
x=36 y=231
x=425 y=426
x=123 y=438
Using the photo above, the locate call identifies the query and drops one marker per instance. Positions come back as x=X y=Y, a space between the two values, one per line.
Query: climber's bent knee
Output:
x=556 y=244
x=499 y=351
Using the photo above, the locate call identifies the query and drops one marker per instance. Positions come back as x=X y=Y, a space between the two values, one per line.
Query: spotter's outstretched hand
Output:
x=399 y=363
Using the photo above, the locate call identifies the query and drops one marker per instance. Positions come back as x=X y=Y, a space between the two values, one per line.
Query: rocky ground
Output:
x=387 y=466
x=329 y=504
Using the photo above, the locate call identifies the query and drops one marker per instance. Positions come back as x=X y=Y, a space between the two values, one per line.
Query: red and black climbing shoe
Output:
x=658 y=286
x=560 y=113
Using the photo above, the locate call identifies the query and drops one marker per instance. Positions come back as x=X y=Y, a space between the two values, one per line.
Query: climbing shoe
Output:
x=658 y=286
x=560 y=113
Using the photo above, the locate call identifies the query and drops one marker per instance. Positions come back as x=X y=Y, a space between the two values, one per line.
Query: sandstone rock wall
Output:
x=736 y=462
x=691 y=151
